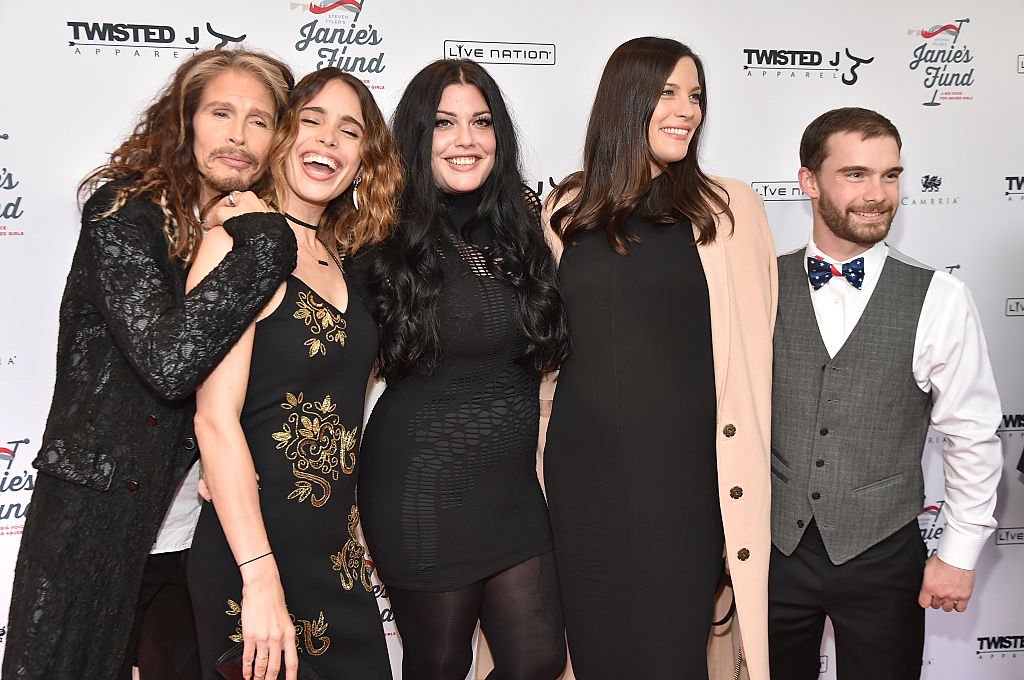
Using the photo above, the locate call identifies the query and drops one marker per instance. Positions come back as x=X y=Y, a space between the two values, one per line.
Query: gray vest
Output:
x=848 y=432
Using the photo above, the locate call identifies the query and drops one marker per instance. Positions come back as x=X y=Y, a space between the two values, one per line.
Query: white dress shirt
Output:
x=179 y=524
x=950 y=360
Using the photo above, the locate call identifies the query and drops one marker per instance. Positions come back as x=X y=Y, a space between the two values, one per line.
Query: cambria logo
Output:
x=930 y=187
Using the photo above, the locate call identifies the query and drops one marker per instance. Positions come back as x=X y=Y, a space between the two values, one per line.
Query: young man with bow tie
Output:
x=871 y=348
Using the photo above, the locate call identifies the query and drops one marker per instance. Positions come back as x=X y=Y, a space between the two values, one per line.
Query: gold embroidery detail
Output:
x=351 y=561
x=235 y=610
x=321 y=321
x=307 y=633
x=312 y=632
x=318 y=444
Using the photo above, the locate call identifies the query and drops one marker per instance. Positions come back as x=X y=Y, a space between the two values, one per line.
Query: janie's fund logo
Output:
x=944 y=61
x=337 y=38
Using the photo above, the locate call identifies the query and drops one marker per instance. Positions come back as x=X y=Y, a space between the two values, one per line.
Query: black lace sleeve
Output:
x=173 y=340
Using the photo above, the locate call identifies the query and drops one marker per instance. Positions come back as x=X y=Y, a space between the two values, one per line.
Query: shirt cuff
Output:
x=959 y=550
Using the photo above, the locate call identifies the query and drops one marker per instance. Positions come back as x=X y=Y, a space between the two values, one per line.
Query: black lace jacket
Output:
x=131 y=349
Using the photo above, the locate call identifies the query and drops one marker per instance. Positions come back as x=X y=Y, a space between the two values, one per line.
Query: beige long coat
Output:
x=743 y=290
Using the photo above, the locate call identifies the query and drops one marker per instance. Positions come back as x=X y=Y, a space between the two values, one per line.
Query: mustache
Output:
x=235 y=151
x=874 y=207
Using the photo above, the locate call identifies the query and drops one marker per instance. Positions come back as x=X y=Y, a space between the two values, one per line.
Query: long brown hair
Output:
x=617 y=156
x=342 y=227
x=157 y=158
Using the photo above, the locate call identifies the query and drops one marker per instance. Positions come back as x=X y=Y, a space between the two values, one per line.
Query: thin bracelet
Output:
x=255 y=558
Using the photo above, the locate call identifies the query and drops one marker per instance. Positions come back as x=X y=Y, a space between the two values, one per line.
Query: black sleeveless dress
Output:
x=302 y=416
x=629 y=463
x=448 y=487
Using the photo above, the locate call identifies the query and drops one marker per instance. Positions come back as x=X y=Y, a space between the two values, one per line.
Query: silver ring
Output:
x=231 y=199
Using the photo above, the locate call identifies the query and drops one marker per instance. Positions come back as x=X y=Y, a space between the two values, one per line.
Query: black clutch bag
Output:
x=229 y=665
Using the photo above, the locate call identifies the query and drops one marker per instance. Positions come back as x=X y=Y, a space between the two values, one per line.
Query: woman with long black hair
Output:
x=470 y=316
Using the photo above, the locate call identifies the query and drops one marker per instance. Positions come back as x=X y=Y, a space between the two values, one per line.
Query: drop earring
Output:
x=355 y=191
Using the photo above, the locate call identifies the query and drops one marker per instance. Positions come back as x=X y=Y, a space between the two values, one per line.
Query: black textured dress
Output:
x=630 y=460
x=301 y=417
x=448 y=487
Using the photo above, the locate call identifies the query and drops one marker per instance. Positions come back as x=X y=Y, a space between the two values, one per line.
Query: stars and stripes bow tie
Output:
x=821 y=272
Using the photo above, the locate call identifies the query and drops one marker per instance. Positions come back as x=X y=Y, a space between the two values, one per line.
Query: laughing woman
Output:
x=276 y=564
x=657 y=451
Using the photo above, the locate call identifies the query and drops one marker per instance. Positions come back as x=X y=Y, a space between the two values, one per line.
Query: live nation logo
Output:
x=775 y=63
x=144 y=40
x=529 y=54
x=785 y=190
x=930 y=192
x=334 y=31
x=944 y=61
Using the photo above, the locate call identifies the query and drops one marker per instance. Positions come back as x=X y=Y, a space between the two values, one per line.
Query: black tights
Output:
x=519 y=611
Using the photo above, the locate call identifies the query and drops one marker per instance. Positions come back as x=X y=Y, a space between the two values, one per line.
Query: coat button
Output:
x=131 y=485
x=800 y=523
x=819 y=463
x=151 y=420
x=729 y=430
x=743 y=554
x=189 y=444
x=815 y=495
x=736 y=492
x=823 y=431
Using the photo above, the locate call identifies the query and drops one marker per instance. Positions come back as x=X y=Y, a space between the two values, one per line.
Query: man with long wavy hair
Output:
x=115 y=504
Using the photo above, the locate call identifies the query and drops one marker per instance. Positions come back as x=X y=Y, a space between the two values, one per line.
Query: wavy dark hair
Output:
x=157 y=158
x=343 y=228
x=405 y=276
x=617 y=156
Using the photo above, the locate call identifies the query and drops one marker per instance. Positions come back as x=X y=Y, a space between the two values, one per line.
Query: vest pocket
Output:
x=881 y=482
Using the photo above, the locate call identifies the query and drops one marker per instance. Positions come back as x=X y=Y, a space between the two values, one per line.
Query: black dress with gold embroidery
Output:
x=302 y=416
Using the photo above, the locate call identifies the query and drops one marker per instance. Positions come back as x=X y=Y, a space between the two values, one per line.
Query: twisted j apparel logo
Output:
x=775 y=63
x=137 y=40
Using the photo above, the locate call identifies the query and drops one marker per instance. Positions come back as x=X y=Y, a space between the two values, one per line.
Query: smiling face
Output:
x=462 y=153
x=676 y=115
x=232 y=129
x=854 y=194
x=324 y=158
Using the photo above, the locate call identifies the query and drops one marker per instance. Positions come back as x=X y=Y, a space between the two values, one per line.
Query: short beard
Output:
x=234 y=182
x=842 y=224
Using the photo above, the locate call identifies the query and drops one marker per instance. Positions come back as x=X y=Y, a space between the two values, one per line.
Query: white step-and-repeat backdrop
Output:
x=950 y=74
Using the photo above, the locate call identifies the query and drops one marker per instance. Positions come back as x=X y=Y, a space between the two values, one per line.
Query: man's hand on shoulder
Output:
x=945 y=586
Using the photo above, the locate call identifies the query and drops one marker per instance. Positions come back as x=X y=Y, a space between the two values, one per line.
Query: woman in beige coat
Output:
x=657 y=459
